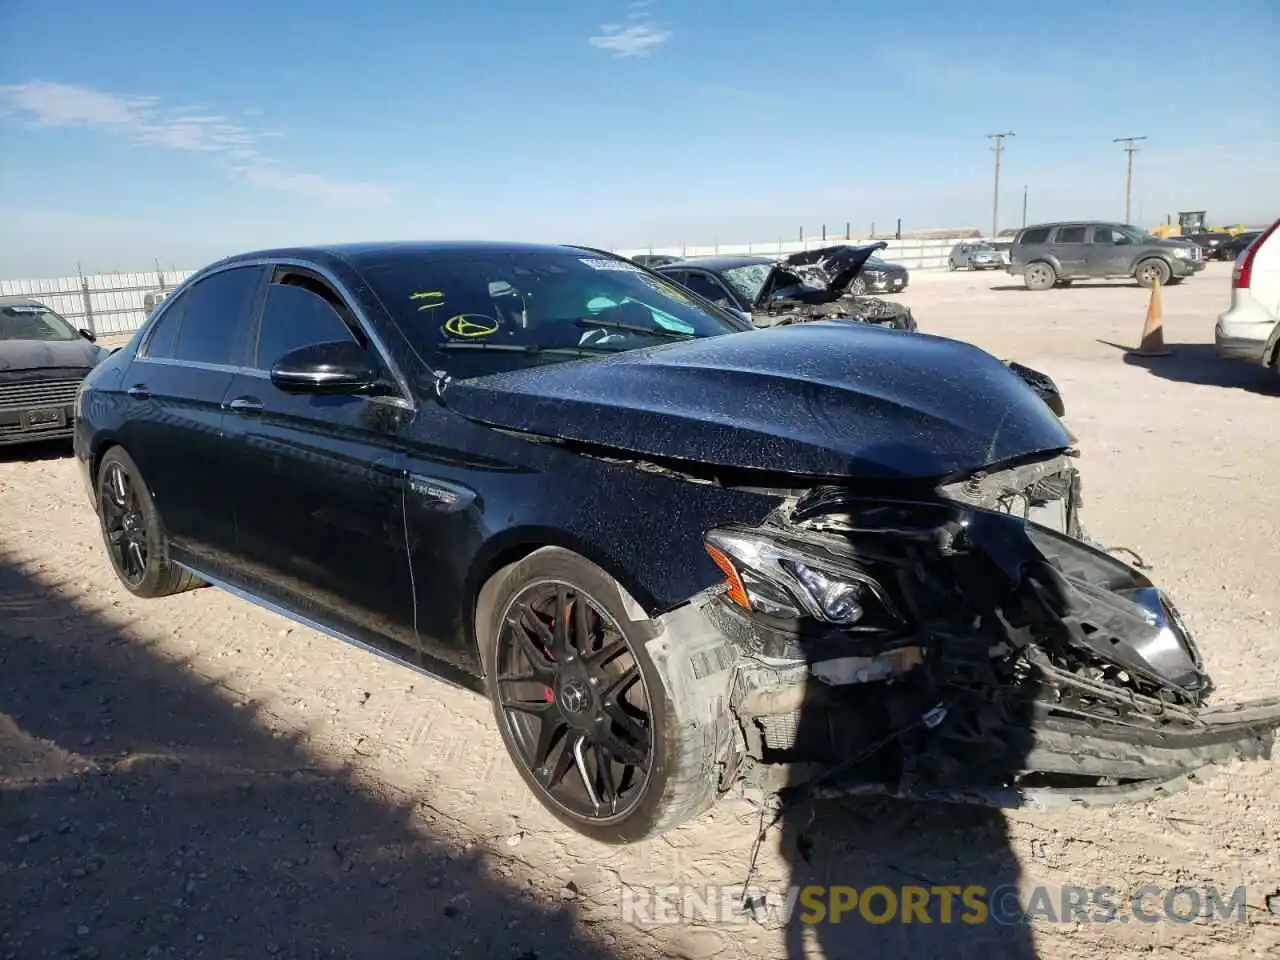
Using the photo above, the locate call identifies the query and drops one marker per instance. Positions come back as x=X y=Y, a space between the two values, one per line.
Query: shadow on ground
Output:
x=889 y=851
x=144 y=813
x=40 y=450
x=1199 y=363
x=1073 y=285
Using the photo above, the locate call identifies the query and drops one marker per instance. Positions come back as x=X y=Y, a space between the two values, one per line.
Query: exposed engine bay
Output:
x=814 y=285
x=953 y=650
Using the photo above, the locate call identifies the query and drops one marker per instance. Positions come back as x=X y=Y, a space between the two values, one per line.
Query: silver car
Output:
x=975 y=255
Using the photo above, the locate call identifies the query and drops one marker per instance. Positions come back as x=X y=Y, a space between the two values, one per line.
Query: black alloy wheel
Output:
x=574 y=702
x=133 y=532
x=124 y=524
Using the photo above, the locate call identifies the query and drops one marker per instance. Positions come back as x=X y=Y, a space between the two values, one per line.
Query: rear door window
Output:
x=216 y=313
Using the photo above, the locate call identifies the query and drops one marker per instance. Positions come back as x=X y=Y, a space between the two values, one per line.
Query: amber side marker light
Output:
x=737 y=592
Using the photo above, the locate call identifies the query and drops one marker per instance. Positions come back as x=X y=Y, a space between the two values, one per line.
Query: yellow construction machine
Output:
x=1191 y=222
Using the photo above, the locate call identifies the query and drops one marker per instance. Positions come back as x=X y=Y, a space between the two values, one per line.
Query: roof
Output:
x=17 y=301
x=362 y=254
x=1082 y=222
x=716 y=264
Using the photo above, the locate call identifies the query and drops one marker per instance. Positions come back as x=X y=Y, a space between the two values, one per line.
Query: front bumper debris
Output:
x=1015 y=666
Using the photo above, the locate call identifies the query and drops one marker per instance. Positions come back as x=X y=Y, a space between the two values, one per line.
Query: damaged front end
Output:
x=953 y=650
x=814 y=285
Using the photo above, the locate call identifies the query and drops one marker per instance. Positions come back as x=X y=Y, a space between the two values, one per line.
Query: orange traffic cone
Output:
x=1153 y=330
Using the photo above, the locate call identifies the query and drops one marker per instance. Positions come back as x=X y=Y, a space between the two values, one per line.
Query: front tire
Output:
x=581 y=707
x=1152 y=270
x=133 y=532
x=1040 y=276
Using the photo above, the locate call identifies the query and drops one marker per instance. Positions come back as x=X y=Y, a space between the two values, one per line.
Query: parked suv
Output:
x=1055 y=254
x=1250 y=328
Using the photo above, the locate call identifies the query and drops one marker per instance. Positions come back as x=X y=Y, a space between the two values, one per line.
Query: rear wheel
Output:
x=582 y=708
x=1151 y=271
x=133 y=531
x=1040 y=276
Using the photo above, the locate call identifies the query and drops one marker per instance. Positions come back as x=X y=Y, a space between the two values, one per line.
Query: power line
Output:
x=1129 y=150
x=998 y=147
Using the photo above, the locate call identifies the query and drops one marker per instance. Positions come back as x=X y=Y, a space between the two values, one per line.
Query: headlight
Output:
x=875 y=274
x=771 y=576
x=1183 y=253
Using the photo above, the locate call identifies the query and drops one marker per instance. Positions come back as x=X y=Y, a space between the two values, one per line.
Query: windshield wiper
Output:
x=591 y=323
x=531 y=348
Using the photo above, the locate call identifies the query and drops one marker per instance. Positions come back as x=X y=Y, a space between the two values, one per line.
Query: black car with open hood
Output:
x=676 y=552
x=807 y=285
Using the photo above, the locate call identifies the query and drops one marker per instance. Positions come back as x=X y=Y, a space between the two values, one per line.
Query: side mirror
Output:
x=88 y=334
x=337 y=367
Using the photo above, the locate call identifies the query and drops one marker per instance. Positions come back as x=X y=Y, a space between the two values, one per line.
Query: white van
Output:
x=1250 y=328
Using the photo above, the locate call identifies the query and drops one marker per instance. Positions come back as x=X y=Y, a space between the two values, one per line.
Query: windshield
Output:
x=33 y=322
x=473 y=313
x=1138 y=235
x=748 y=280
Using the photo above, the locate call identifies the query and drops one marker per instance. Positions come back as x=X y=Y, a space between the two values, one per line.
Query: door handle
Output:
x=138 y=391
x=245 y=405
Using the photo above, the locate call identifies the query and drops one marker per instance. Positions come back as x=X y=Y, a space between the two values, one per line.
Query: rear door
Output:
x=173 y=424
x=1070 y=247
x=318 y=480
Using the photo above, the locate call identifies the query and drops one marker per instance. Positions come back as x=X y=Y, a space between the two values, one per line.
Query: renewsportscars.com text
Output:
x=952 y=904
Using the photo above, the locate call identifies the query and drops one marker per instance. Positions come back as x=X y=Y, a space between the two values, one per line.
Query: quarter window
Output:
x=165 y=335
x=1035 y=235
x=214 y=311
x=299 y=312
x=1071 y=235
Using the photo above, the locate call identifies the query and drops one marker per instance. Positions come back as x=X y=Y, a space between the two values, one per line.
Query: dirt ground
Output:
x=195 y=777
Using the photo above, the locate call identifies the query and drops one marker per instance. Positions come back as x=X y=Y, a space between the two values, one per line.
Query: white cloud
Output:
x=147 y=122
x=638 y=37
x=335 y=193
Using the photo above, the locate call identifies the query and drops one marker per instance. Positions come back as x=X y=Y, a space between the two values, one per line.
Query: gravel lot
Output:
x=197 y=778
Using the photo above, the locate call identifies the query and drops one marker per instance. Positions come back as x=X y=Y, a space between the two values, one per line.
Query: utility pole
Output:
x=1024 y=204
x=998 y=147
x=1130 y=150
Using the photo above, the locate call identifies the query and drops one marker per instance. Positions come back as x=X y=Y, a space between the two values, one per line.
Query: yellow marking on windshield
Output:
x=435 y=297
x=462 y=325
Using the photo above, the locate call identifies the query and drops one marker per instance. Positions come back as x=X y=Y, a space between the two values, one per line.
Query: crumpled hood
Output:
x=837 y=266
x=33 y=354
x=834 y=399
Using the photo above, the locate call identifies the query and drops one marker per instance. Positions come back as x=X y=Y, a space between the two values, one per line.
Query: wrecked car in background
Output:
x=810 y=285
x=676 y=553
x=43 y=360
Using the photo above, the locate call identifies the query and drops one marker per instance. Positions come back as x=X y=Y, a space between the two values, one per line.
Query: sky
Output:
x=135 y=132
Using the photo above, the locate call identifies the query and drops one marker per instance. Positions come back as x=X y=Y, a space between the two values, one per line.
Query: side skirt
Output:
x=379 y=646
